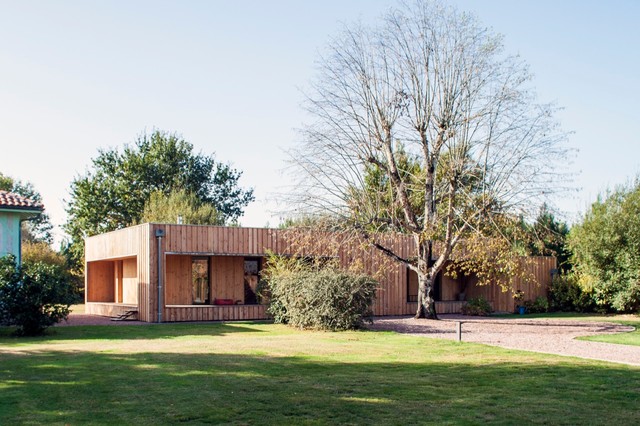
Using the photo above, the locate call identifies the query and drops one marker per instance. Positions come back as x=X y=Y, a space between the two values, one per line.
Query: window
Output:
x=251 y=278
x=200 y=280
x=412 y=286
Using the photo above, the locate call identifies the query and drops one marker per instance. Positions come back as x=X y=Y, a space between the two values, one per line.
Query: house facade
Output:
x=13 y=210
x=169 y=273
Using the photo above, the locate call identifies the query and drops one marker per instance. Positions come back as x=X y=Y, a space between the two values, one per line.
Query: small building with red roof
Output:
x=14 y=209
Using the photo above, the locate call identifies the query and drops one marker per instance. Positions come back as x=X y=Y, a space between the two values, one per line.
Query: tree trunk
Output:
x=426 y=303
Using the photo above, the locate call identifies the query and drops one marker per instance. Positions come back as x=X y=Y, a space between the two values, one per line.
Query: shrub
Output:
x=606 y=247
x=34 y=252
x=316 y=296
x=567 y=295
x=538 y=306
x=477 y=306
x=33 y=296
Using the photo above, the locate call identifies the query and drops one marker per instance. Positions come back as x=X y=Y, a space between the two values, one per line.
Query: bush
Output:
x=477 y=306
x=316 y=296
x=33 y=296
x=606 y=247
x=538 y=306
x=34 y=252
x=567 y=295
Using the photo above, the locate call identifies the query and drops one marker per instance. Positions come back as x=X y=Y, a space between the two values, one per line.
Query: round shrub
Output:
x=567 y=295
x=33 y=296
x=315 y=296
x=477 y=306
x=538 y=306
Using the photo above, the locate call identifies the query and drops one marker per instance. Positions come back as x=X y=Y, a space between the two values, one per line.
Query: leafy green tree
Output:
x=162 y=208
x=549 y=238
x=113 y=193
x=37 y=228
x=33 y=296
x=606 y=249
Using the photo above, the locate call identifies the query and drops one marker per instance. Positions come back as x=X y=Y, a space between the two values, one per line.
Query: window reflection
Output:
x=200 y=279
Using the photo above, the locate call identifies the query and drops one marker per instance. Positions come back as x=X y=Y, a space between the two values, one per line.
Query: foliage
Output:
x=37 y=228
x=33 y=252
x=566 y=295
x=548 y=237
x=518 y=297
x=606 y=247
x=496 y=254
x=114 y=192
x=478 y=306
x=33 y=296
x=423 y=125
x=165 y=208
x=538 y=306
x=41 y=252
x=318 y=295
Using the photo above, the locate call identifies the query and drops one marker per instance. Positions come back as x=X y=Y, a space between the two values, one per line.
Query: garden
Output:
x=249 y=373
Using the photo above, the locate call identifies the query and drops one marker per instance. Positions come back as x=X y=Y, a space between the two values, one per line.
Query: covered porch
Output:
x=212 y=287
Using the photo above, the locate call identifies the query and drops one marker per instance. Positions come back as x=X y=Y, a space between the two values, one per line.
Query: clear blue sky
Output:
x=76 y=76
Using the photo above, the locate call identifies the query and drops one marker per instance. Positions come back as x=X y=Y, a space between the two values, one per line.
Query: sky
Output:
x=229 y=76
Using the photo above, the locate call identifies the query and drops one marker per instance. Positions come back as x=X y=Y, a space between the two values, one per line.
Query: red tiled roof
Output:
x=15 y=201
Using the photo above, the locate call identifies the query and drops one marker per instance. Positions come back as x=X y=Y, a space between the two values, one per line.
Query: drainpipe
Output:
x=159 y=235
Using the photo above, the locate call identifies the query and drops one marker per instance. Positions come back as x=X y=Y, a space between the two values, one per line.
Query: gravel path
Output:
x=537 y=335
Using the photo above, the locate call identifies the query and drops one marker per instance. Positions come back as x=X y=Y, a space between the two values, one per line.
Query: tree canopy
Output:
x=424 y=125
x=606 y=249
x=113 y=193
x=39 y=227
x=163 y=208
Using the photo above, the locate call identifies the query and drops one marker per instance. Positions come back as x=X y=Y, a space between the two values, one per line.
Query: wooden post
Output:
x=459 y=330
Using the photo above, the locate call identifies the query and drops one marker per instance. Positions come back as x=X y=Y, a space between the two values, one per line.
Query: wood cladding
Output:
x=226 y=247
x=227 y=278
x=107 y=309
x=215 y=313
x=130 y=281
x=100 y=282
x=178 y=280
x=502 y=299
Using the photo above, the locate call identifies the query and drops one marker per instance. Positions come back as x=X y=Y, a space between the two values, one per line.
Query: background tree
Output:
x=548 y=237
x=606 y=249
x=114 y=192
x=436 y=83
x=38 y=228
x=162 y=208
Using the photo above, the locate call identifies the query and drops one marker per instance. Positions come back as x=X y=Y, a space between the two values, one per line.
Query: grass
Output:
x=250 y=373
x=630 y=338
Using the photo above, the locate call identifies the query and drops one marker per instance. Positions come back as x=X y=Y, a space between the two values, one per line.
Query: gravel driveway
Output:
x=538 y=335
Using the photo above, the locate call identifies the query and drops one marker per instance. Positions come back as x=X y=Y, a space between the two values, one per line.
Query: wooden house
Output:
x=167 y=273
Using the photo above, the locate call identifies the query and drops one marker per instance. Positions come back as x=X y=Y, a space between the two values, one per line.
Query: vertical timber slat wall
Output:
x=111 y=267
x=227 y=246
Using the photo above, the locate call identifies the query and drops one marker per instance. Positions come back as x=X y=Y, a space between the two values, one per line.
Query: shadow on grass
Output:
x=164 y=388
x=129 y=332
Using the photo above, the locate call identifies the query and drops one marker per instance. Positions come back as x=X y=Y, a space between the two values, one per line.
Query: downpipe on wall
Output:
x=159 y=234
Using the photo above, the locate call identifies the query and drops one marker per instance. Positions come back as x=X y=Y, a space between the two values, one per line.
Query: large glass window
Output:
x=200 y=279
x=251 y=278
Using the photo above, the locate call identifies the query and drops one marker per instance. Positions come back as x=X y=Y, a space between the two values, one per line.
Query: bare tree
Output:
x=429 y=87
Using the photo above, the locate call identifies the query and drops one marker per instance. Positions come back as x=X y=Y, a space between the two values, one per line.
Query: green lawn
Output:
x=248 y=373
x=631 y=338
